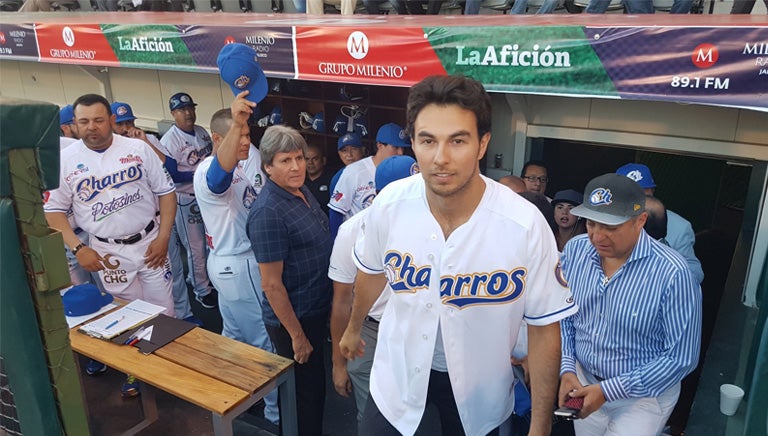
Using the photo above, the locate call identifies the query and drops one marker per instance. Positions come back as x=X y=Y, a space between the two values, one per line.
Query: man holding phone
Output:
x=638 y=328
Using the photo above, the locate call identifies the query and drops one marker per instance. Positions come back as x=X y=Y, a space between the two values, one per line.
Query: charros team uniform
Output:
x=188 y=151
x=232 y=266
x=113 y=196
x=456 y=305
x=355 y=189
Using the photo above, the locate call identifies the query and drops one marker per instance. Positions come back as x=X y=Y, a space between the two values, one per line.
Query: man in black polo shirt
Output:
x=318 y=177
x=291 y=241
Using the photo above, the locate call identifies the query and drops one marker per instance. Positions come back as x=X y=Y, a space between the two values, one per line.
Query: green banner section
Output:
x=551 y=59
x=148 y=45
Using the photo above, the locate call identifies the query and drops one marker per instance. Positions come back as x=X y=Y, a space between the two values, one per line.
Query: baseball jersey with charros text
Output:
x=477 y=289
x=342 y=268
x=187 y=150
x=226 y=213
x=113 y=193
x=355 y=189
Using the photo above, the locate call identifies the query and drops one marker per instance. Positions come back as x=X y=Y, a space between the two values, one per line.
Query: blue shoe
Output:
x=194 y=320
x=130 y=388
x=94 y=368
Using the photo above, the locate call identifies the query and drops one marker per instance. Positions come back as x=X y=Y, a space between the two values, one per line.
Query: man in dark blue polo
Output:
x=291 y=241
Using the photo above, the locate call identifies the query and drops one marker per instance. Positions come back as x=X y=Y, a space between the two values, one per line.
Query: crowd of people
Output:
x=436 y=285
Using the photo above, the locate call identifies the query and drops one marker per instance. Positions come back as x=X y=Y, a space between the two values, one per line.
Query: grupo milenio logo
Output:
x=68 y=36
x=357 y=45
x=705 y=55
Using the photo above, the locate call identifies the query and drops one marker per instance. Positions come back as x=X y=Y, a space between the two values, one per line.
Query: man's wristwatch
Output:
x=79 y=247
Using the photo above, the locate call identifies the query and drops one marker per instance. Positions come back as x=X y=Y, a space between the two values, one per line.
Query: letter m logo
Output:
x=705 y=55
x=357 y=45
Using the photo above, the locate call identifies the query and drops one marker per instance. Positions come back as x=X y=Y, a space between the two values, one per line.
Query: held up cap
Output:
x=180 y=100
x=394 y=168
x=611 y=199
x=393 y=134
x=639 y=173
x=240 y=69
x=84 y=299
x=353 y=139
x=568 y=196
x=122 y=112
x=66 y=115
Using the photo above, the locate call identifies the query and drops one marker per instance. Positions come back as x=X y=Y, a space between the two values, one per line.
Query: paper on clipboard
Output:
x=125 y=318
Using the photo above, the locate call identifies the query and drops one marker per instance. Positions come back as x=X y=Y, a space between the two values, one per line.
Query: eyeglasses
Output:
x=532 y=179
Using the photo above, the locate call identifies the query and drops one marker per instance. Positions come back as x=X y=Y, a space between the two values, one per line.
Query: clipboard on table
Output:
x=125 y=318
x=164 y=330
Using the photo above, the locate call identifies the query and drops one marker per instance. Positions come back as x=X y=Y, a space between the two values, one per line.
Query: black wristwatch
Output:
x=79 y=247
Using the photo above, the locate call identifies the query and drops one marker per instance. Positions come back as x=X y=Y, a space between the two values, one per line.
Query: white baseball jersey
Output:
x=65 y=142
x=493 y=271
x=355 y=189
x=227 y=213
x=187 y=150
x=342 y=268
x=113 y=193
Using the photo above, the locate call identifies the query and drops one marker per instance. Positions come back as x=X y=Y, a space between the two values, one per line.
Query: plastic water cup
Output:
x=730 y=397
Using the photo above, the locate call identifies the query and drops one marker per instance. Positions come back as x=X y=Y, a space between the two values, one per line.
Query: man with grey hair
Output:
x=291 y=241
x=226 y=185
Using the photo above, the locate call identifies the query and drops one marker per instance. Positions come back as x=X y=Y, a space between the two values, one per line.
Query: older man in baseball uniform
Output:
x=638 y=328
x=466 y=260
x=226 y=184
x=186 y=145
x=356 y=188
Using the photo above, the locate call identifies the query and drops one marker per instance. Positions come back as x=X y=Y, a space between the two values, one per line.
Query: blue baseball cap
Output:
x=180 y=100
x=66 y=115
x=639 y=173
x=569 y=196
x=122 y=112
x=84 y=299
x=240 y=69
x=393 y=134
x=394 y=168
x=353 y=138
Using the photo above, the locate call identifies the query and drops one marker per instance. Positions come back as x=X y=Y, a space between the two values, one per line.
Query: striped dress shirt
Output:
x=638 y=331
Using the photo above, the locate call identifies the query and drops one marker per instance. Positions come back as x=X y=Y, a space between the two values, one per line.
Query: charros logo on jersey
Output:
x=90 y=187
x=459 y=291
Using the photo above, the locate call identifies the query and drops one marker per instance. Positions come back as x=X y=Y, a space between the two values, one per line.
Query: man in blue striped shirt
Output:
x=638 y=328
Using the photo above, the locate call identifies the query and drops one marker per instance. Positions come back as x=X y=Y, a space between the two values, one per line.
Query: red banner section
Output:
x=81 y=44
x=381 y=56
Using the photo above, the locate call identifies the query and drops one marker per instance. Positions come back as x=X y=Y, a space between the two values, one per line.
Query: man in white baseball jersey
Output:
x=186 y=145
x=355 y=374
x=226 y=184
x=114 y=186
x=356 y=188
x=467 y=260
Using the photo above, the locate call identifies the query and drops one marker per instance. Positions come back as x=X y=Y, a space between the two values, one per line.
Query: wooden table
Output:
x=216 y=373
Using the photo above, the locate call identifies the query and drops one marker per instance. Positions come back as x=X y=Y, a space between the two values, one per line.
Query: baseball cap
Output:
x=394 y=168
x=66 y=115
x=567 y=196
x=611 y=199
x=393 y=134
x=84 y=299
x=180 y=100
x=352 y=138
x=240 y=69
x=639 y=173
x=122 y=112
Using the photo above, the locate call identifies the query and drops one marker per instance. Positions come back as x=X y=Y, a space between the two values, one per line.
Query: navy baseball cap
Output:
x=352 y=138
x=122 y=112
x=569 y=196
x=239 y=68
x=393 y=134
x=639 y=173
x=180 y=100
x=66 y=115
x=84 y=299
x=394 y=168
x=611 y=199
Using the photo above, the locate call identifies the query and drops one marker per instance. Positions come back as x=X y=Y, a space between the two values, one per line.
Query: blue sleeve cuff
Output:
x=217 y=179
x=178 y=176
x=335 y=221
